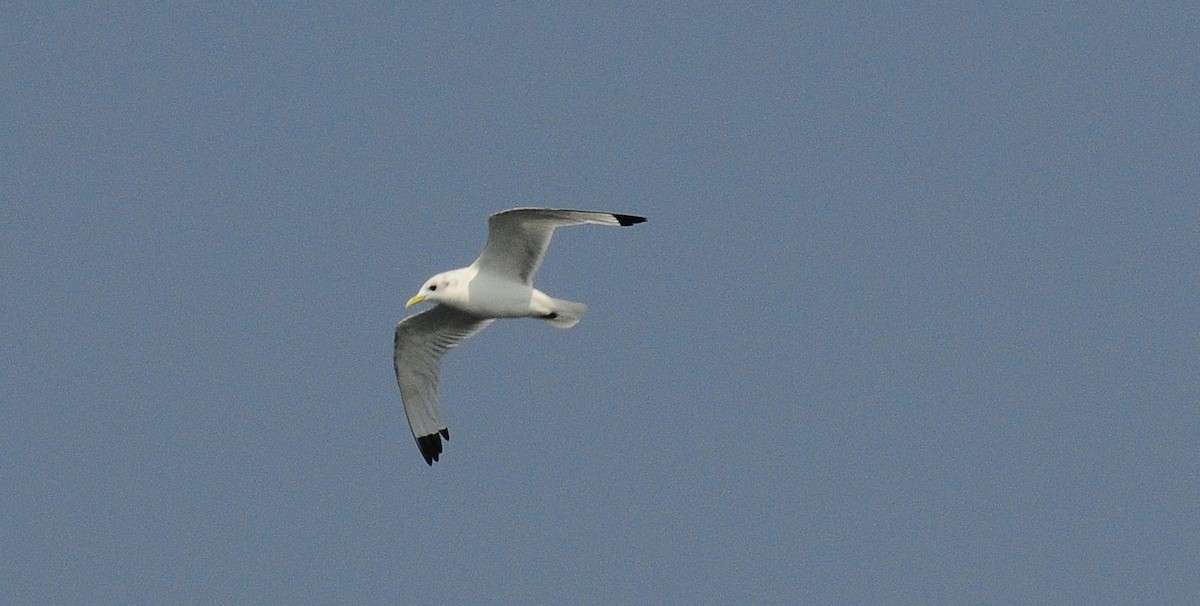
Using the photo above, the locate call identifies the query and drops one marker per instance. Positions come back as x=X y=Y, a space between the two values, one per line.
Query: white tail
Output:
x=566 y=313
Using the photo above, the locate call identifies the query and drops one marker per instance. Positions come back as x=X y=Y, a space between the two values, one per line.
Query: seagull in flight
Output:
x=499 y=284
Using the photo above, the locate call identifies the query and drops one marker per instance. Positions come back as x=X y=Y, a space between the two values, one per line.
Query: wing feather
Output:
x=518 y=237
x=420 y=341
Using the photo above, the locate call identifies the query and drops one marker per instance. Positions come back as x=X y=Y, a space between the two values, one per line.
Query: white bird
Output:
x=499 y=284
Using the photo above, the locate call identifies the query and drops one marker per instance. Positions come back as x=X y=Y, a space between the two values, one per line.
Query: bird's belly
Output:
x=494 y=298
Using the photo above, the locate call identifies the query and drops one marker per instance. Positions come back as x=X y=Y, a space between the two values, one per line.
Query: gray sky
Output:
x=913 y=321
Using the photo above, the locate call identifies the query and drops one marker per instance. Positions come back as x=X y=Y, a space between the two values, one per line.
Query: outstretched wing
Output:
x=518 y=238
x=421 y=339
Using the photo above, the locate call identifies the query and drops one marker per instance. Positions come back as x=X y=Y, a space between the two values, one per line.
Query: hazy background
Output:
x=914 y=319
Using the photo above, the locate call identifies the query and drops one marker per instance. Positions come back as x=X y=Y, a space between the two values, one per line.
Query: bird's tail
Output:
x=565 y=314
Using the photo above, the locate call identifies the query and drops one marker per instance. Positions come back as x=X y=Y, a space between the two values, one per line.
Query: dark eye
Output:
x=433 y=287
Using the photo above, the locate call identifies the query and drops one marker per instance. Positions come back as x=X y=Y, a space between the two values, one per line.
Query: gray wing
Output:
x=518 y=237
x=421 y=339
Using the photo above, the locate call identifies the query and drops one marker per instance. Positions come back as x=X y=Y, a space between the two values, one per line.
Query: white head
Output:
x=448 y=286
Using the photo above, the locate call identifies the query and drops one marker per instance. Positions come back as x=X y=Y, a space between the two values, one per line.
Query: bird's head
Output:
x=446 y=286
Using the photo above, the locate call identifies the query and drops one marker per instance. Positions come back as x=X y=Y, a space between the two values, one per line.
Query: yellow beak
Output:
x=415 y=300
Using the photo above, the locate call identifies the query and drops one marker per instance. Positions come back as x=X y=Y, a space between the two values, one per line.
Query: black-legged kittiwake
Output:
x=499 y=284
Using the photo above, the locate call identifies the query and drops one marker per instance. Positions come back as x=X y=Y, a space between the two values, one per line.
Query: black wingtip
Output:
x=627 y=220
x=431 y=445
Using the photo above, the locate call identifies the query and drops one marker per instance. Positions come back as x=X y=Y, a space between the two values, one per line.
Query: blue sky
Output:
x=913 y=320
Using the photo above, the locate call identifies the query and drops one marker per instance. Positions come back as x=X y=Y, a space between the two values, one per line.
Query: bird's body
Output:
x=499 y=284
